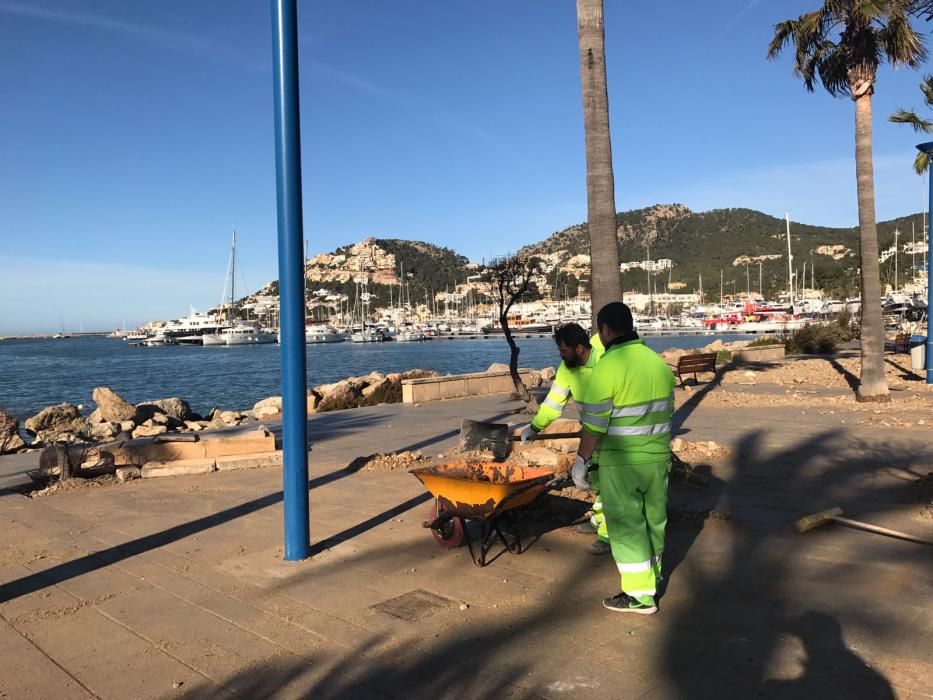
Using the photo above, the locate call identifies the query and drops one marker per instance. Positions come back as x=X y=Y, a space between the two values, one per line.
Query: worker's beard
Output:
x=573 y=362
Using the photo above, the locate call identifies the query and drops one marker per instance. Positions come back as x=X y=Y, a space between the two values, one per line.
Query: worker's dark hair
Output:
x=572 y=335
x=617 y=316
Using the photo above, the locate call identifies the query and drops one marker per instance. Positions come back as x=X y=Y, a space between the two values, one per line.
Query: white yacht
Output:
x=410 y=337
x=190 y=328
x=214 y=339
x=157 y=340
x=243 y=333
x=366 y=335
x=322 y=334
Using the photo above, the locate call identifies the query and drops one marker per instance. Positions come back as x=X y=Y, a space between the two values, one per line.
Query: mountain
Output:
x=692 y=243
x=703 y=243
x=428 y=269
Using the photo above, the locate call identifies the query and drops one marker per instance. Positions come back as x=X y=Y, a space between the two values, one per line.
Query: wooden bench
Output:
x=691 y=364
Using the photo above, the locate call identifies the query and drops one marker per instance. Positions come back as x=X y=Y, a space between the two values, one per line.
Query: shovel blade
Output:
x=478 y=436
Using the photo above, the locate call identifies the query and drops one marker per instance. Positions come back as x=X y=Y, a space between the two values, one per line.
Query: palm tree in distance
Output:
x=842 y=44
x=924 y=126
x=606 y=279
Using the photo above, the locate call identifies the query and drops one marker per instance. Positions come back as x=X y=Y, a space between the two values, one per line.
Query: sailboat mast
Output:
x=790 y=258
x=233 y=272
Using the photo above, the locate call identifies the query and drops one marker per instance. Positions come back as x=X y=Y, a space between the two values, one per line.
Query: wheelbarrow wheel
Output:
x=449 y=533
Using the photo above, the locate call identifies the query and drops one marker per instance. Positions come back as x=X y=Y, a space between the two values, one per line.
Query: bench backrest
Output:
x=695 y=363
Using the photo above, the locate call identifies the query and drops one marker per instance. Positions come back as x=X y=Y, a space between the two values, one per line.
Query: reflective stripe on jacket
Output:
x=569 y=382
x=629 y=400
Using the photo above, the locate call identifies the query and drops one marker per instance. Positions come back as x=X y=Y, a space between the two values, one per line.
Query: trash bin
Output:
x=918 y=348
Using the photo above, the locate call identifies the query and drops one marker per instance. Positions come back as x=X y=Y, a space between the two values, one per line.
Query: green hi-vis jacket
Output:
x=630 y=402
x=568 y=382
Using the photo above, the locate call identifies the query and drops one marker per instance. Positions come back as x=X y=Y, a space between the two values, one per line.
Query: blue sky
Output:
x=135 y=136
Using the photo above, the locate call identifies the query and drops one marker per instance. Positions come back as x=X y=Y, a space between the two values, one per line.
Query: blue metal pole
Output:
x=291 y=279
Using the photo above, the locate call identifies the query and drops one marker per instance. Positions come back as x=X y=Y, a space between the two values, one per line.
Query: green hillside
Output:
x=703 y=243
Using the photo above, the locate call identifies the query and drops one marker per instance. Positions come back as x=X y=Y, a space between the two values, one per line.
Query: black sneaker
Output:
x=623 y=602
x=599 y=548
x=585 y=528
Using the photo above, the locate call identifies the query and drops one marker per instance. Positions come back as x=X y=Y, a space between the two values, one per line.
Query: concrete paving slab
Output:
x=36 y=675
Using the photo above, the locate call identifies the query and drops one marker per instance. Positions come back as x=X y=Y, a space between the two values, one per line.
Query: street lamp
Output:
x=927 y=148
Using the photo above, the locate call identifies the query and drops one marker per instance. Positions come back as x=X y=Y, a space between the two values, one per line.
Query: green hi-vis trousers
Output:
x=634 y=500
x=598 y=520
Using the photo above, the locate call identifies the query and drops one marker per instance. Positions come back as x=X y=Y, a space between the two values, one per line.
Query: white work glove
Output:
x=579 y=474
x=527 y=434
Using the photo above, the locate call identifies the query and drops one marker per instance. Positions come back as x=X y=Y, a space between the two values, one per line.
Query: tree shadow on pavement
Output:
x=777 y=607
x=690 y=405
x=850 y=378
x=760 y=612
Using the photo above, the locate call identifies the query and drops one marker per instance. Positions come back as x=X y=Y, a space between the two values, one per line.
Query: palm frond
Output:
x=833 y=68
x=921 y=163
x=784 y=32
x=920 y=125
x=900 y=43
x=868 y=11
x=926 y=87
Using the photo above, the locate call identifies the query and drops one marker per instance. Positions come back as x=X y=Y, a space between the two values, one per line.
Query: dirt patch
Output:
x=698 y=451
x=829 y=371
x=389 y=462
x=76 y=484
x=921 y=491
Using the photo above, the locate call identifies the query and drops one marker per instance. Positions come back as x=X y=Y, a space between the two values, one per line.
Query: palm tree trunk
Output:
x=872 y=383
x=606 y=285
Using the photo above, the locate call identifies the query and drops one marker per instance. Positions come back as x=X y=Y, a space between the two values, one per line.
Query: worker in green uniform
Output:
x=579 y=354
x=627 y=411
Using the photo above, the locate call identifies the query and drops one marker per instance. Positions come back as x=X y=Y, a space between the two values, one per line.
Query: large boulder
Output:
x=672 y=355
x=547 y=375
x=62 y=418
x=345 y=394
x=385 y=391
x=112 y=406
x=102 y=431
x=498 y=367
x=149 y=431
x=314 y=400
x=268 y=409
x=174 y=407
x=10 y=440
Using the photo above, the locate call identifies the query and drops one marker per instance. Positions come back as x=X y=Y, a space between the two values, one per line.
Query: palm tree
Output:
x=841 y=45
x=902 y=116
x=600 y=184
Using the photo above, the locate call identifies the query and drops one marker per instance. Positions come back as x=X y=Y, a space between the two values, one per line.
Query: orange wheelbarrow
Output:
x=489 y=492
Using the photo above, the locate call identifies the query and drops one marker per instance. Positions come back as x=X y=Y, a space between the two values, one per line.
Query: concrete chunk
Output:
x=127 y=473
x=181 y=467
x=256 y=460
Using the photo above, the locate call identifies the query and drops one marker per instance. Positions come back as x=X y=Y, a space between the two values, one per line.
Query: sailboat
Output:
x=239 y=332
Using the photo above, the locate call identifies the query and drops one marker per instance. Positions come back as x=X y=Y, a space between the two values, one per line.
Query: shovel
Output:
x=497 y=437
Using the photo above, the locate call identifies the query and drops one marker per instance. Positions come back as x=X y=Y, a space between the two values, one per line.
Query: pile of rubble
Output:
x=698 y=451
x=390 y=462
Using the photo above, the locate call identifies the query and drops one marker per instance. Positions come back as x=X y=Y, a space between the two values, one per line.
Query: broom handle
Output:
x=879 y=530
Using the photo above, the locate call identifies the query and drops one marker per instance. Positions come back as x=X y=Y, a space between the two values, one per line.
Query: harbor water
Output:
x=35 y=373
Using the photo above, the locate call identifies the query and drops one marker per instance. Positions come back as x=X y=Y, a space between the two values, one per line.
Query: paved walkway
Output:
x=176 y=587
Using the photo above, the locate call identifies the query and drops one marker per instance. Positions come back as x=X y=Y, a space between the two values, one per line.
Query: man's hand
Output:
x=579 y=473
x=527 y=434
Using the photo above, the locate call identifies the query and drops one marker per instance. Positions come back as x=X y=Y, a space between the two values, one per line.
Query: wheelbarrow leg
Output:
x=469 y=540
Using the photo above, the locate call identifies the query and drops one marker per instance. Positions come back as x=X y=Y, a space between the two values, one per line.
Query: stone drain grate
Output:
x=414 y=605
